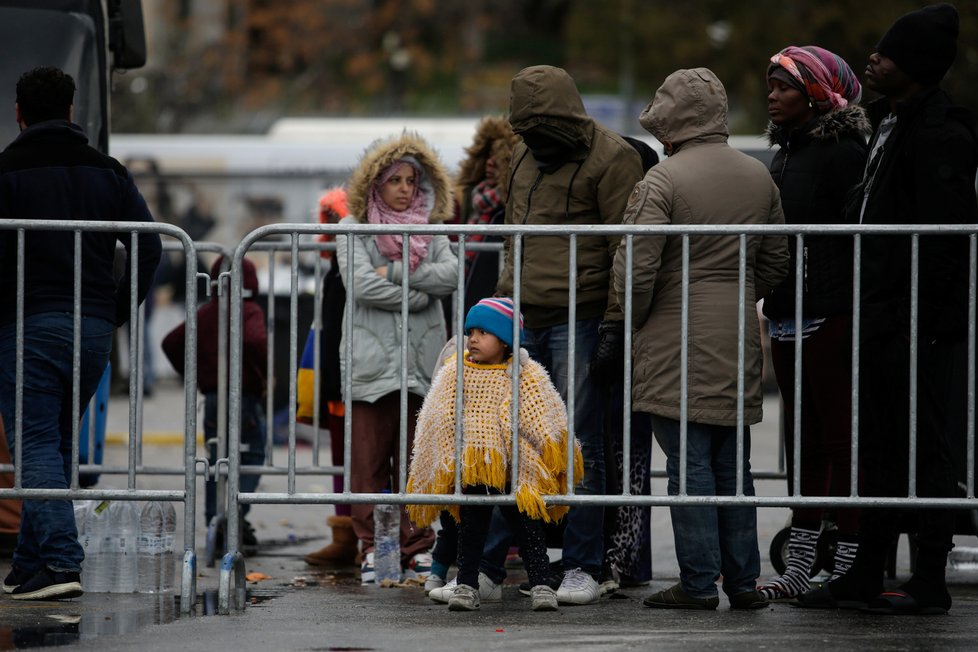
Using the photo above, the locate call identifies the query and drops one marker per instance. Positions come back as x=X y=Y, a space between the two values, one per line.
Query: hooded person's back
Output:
x=703 y=181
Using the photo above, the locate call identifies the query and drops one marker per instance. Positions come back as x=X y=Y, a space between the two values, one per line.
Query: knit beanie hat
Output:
x=494 y=315
x=923 y=43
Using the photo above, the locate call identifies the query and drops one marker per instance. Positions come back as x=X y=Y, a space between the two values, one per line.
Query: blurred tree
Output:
x=270 y=58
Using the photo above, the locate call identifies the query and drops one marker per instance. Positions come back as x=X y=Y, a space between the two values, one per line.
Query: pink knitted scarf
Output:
x=379 y=212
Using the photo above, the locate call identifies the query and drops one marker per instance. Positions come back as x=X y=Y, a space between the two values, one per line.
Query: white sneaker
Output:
x=433 y=582
x=489 y=591
x=367 y=574
x=578 y=587
x=464 y=598
x=544 y=598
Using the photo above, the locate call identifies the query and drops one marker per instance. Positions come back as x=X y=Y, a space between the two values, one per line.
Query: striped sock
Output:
x=845 y=554
x=801 y=557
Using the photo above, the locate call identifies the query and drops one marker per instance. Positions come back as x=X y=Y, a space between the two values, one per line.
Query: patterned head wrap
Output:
x=826 y=78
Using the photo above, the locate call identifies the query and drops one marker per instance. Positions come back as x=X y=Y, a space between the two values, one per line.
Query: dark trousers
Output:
x=826 y=417
x=884 y=443
x=474 y=528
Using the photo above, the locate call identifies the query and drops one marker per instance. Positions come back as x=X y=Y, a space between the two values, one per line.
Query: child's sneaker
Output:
x=464 y=598
x=367 y=574
x=544 y=598
x=489 y=591
x=433 y=582
x=419 y=567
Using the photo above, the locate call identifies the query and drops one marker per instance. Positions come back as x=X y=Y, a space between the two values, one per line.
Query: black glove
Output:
x=608 y=361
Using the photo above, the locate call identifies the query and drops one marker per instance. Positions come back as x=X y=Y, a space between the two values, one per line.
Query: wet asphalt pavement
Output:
x=300 y=608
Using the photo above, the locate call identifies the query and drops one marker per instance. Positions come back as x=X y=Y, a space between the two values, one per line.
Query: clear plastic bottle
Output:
x=149 y=548
x=96 y=534
x=169 y=535
x=387 y=543
x=125 y=525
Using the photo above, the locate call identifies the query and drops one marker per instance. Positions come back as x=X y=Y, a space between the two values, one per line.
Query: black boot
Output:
x=855 y=589
x=925 y=593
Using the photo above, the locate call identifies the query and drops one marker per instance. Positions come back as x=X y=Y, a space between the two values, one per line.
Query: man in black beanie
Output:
x=921 y=170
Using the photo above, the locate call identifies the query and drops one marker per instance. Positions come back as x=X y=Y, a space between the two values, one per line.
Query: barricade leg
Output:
x=232 y=562
x=188 y=582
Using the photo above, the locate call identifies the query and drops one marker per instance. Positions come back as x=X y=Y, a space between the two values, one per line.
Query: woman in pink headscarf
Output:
x=399 y=181
x=822 y=136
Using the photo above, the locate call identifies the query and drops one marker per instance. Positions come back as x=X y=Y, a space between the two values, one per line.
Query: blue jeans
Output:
x=252 y=447
x=48 y=536
x=584 y=533
x=711 y=541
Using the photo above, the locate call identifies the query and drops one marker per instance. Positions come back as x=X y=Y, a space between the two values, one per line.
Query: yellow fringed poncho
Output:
x=487 y=438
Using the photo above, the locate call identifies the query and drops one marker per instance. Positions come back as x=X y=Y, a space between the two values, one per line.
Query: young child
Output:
x=487 y=447
x=254 y=385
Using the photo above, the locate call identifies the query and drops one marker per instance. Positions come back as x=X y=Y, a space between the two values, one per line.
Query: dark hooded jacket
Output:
x=254 y=353
x=815 y=168
x=926 y=176
x=51 y=173
x=591 y=187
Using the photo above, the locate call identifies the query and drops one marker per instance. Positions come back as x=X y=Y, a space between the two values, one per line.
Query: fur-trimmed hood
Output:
x=436 y=184
x=494 y=138
x=851 y=121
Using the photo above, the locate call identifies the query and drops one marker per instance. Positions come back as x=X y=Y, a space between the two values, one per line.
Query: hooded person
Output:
x=254 y=384
x=342 y=549
x=923 y=159
x=569 y=171
x=481 y=189
x=399 y=181
x=689 y=116
x=821 y=133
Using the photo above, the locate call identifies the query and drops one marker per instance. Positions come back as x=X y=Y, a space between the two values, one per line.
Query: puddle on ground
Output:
x=72 y=625
x=68 y=627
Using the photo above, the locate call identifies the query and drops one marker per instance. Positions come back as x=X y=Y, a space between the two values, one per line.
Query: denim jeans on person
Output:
x=711 y=541
x=584 y=532
x=48 y=536
x=252 y=446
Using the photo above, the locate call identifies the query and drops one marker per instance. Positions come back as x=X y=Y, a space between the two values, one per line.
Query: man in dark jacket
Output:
x=921 y=170
x=51 y=173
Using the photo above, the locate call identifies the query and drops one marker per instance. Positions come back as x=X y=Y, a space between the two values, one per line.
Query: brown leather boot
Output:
x=342 y=551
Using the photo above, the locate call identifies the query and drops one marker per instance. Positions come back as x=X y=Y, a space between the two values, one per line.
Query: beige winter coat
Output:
x=704 y=181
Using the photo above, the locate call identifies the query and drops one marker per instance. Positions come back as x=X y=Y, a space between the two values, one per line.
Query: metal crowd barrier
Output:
x=134 y=467
x=232 y=589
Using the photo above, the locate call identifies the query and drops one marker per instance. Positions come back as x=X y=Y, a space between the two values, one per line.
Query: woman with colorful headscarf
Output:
x=822 y=137
x=399 y=181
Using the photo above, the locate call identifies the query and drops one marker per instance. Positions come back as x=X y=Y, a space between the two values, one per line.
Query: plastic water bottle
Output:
x=149 y=548
x=387 y=543
x=95 y=572
x=169 y=535
x=124 y=517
